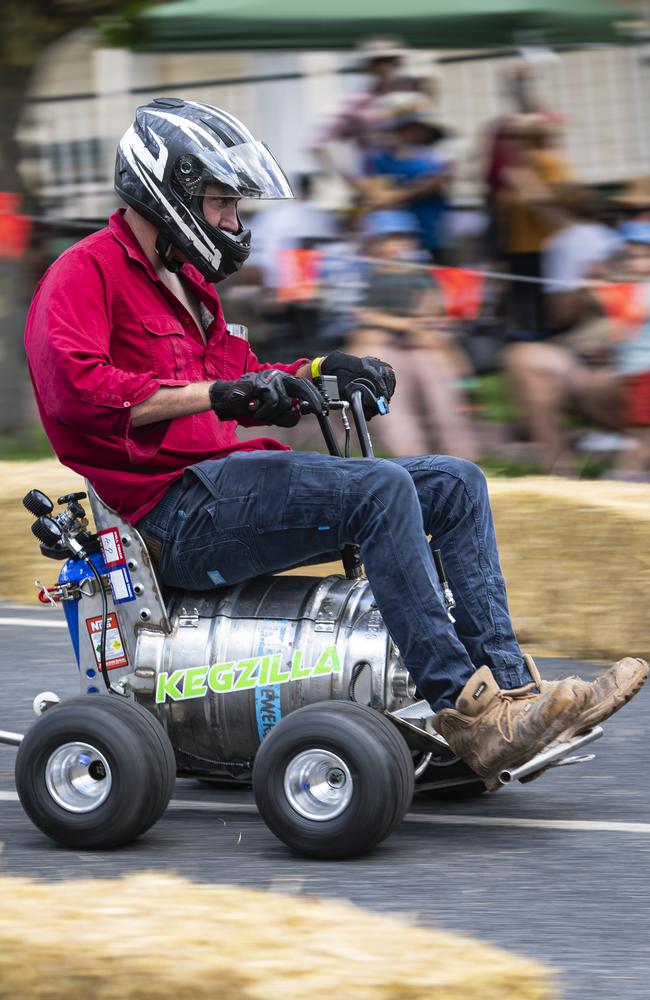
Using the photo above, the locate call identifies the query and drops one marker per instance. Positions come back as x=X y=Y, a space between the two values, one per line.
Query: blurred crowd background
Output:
x=477 y=216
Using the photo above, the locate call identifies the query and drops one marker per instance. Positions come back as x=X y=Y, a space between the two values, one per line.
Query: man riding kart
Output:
x=140 y=388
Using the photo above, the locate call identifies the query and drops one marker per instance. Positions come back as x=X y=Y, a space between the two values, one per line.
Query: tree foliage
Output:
x=28 y=26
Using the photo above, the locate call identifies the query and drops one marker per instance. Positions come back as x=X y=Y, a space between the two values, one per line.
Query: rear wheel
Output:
x=332 y=780
x=95 y=772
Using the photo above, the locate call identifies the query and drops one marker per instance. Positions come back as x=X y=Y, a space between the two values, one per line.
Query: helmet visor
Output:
x=249 y=168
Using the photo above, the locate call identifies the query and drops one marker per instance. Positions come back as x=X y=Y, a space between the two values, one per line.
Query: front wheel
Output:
x=95 y=772
x=333 y=779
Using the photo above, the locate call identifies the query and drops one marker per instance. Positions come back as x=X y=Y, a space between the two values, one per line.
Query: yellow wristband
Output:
x=315 y=367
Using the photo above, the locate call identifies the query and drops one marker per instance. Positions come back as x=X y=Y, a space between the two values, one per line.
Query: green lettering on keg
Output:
x=194 y=684
x=167 y=686
x=221 y=677
x=276 y=674
x=260 y=672
x=246 y=677
x=263 y=672
x=298 y=673
x=328 y=662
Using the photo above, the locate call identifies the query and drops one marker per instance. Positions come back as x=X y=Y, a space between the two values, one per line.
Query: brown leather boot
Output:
x=492 y=729
x=604 y=695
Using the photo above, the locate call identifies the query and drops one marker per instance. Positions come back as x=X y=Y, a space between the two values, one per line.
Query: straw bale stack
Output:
x=20 y=560
x=576 y=557
x=154 y=936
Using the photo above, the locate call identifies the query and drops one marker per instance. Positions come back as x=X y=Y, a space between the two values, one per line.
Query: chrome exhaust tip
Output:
x=10 y=739
x=553 y=756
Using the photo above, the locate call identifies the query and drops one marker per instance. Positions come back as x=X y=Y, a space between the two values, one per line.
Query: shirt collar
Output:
x=123 y=233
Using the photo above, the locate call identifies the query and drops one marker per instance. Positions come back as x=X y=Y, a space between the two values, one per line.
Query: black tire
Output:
x=467 y=784
x=166 y=760
x=380 y=783
x=141 y=767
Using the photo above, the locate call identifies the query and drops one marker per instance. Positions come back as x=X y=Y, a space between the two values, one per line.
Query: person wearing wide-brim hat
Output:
x=417 y=176
x=360 y=120
x=635 y=197
x=379 y=49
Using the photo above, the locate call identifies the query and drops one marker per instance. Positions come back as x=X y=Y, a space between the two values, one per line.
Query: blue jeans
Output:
x=260 y=512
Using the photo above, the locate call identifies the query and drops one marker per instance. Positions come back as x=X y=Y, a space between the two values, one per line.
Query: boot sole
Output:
x=594 y=716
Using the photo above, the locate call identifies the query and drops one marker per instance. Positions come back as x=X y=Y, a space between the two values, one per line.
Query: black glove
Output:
x=348 y=368
x=257 y=397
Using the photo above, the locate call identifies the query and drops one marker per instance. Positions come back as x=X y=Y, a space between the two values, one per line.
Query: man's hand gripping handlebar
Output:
x=267 y=397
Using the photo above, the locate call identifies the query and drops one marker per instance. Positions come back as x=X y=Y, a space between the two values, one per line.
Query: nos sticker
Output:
x=115 y=651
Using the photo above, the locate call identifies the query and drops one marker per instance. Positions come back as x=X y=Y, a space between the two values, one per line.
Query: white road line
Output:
x=594 y=826
x=32 y=622
x=197 y=806
x=604 y=826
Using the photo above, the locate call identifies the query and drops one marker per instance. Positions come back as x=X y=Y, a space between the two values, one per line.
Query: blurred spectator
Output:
x=569 y=368
x=360 y=122
x=634 y=201
x=342 y=278
x=501 y=143
x=529 y=215
x=285 y=237
x=572 y=253
x=402 y=320
x=411 y=173
x=632 y=351
x=289 y=225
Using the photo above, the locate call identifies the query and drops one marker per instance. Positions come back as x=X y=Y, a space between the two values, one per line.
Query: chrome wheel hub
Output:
x=78 y=777
x=318 y=784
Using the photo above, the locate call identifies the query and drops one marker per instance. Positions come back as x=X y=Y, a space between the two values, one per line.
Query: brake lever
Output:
x=311 y=400
x=365 y=389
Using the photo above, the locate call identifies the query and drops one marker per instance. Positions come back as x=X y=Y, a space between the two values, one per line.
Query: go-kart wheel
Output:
x=164 y=788
x=333 y=779
x=95 y=772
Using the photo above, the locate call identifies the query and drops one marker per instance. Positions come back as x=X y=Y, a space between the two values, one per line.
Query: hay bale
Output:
x=576 y=558
x=22 y=562
x=154 y=936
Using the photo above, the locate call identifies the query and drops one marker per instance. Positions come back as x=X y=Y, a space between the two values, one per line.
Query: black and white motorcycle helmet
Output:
x=164 y=161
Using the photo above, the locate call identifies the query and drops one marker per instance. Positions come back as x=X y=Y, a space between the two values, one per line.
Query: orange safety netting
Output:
x=462 y=291
x=298 y=275
x=625 y=305
x=14 y=228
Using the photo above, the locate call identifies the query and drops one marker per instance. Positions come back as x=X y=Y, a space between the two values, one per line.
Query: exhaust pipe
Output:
x=551 y=757
x=11 y=739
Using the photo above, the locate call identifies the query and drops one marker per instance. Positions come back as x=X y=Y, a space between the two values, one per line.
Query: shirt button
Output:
x=186 y=320
x=126 y=404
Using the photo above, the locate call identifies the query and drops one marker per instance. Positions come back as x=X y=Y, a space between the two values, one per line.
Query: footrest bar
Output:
x=551 y=757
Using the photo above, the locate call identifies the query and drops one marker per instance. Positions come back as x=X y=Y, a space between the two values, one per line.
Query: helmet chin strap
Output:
x=165 y=249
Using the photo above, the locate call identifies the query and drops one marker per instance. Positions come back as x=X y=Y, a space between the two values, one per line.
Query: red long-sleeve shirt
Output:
x=103 y=334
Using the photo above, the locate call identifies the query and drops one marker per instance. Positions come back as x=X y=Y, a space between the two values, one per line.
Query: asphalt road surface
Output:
x=557 y=869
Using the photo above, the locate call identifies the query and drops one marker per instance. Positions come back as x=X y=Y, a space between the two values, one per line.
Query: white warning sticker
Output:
x=115 y=651
x=111 y=544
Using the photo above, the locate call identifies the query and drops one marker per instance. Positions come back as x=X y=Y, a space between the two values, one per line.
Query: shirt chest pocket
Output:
x=165 y=342
x=227 y=357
